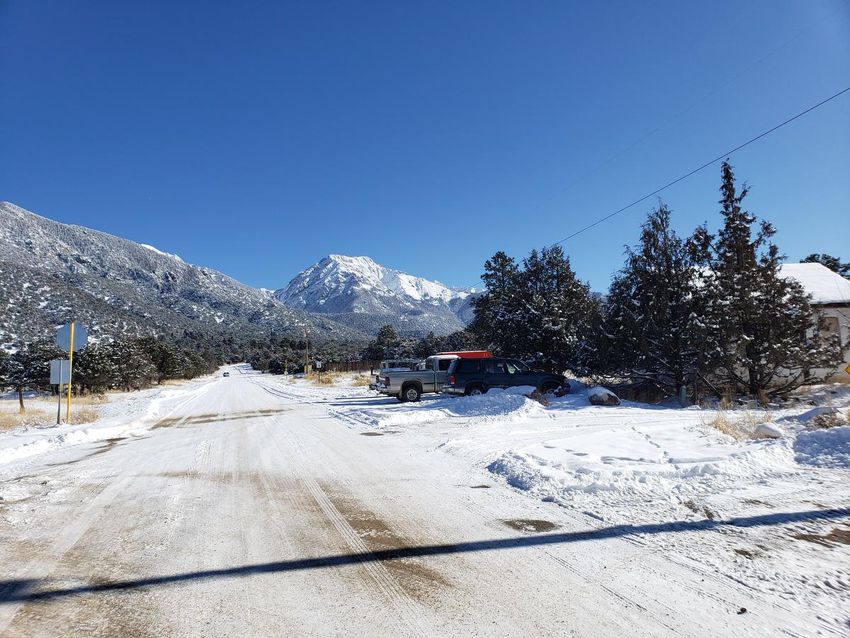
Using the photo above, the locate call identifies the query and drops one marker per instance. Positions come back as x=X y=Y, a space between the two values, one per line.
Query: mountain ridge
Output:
x=51 y=272
x=359 y=291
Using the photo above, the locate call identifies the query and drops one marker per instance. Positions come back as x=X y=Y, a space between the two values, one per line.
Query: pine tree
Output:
x=496 y=309
x=426 y=346
x=541 y=312
x=134 y=369
x=762 y=336
x=650 y=334
x=557 y=312
x=29 y=368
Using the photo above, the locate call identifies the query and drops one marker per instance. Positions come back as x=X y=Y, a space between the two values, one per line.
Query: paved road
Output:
x=246 y=510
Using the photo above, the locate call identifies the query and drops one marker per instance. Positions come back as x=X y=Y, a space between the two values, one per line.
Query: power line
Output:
x=702 y=167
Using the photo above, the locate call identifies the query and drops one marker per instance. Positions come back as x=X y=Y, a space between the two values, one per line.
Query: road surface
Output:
x=248 y=510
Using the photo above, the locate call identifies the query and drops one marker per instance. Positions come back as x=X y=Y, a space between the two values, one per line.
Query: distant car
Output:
x=226 y=374
x=472 y=377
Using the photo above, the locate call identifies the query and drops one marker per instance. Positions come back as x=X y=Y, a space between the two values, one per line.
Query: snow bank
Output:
x=129 y=414
x=824 y=448
x=497 y=405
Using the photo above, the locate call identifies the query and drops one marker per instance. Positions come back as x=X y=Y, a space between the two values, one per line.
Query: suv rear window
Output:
x=467 y=365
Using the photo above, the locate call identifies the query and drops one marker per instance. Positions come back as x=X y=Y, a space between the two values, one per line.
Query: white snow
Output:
x=824 y=285
x=768 y=430
x=342 y=276
x=160 y=252
x=126 y=414
x=660 y=485
x=824 y=448
x=637 y=464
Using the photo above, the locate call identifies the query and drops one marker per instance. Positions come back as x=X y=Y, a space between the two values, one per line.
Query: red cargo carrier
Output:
x=470 y=354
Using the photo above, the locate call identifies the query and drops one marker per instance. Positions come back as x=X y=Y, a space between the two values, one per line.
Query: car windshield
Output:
x=515 y=367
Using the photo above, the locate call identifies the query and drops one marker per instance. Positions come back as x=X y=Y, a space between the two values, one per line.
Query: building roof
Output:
x=824 y=285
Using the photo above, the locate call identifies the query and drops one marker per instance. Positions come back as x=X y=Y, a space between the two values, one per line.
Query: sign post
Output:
x=59 y=371
x=71 y=337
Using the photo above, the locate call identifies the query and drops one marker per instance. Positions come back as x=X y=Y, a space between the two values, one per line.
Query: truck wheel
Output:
x=549 y=387
x=411 y=393
x=476 y=391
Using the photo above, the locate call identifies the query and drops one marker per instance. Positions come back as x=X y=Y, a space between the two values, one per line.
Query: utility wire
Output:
x=702 y=167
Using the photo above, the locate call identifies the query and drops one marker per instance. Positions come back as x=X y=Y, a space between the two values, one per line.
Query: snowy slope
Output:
x=346 y=286
x=52 y=272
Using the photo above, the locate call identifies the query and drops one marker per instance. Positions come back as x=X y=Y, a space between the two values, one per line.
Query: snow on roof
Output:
x=824 y=285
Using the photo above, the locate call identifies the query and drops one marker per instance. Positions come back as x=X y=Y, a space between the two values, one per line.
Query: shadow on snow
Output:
x=12 y=591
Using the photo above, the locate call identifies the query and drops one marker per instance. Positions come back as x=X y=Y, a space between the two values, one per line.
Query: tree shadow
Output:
x=12 y=591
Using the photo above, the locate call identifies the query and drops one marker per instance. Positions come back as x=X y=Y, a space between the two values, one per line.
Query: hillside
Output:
x=52 y=272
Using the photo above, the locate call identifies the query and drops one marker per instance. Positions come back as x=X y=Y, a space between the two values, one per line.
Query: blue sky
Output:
x=256 y=137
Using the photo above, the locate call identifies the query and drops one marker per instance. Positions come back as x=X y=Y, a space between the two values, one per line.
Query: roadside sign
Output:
x=847 y=369
x=318 y=365
x=71 y=337
x=60 y=375
x=60 y=371
x=63 y=336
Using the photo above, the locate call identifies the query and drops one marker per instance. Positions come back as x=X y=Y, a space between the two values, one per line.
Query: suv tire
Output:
x=475 y=390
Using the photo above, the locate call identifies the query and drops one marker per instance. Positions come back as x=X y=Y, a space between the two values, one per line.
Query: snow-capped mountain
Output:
x=52 y=272
x=364 y=294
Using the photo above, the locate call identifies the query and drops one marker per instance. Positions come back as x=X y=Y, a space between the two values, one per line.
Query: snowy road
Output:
x=247 y=509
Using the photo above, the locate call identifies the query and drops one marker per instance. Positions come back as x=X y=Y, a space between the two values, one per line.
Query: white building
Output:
x=830 y=294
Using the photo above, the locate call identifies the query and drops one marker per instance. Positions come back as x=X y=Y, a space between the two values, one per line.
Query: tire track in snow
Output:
x=381 y=576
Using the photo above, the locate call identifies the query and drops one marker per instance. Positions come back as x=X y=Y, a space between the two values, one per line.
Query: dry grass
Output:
x=33 y=416
x=84 y=414
x=11 y=420
x=361 y=380
x=325 y=378
x=741 y=426
x=829 y=420
x=174 y=382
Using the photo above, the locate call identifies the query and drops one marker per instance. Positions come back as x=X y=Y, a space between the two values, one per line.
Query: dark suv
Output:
x=475 y=376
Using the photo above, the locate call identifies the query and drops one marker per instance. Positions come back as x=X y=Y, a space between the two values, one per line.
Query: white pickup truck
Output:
x=410 y=385
x=393 y=365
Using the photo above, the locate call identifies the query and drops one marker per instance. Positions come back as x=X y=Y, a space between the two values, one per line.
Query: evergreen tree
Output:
x=166 y=358
x=650 y=333
x=833 y=263
x=541 y=312
x=29 y=368
x=134 y=368
x=557 y=312
x=460 y=340
x=497 y=308
x=427 y=345
x=755 y=322
x=386 y=345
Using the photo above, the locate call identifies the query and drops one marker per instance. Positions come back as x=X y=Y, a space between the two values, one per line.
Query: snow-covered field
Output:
x=653 y=492
x=773 y=514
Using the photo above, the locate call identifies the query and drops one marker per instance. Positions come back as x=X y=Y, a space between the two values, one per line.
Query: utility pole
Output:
x=70 y=374
x=306 y=351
